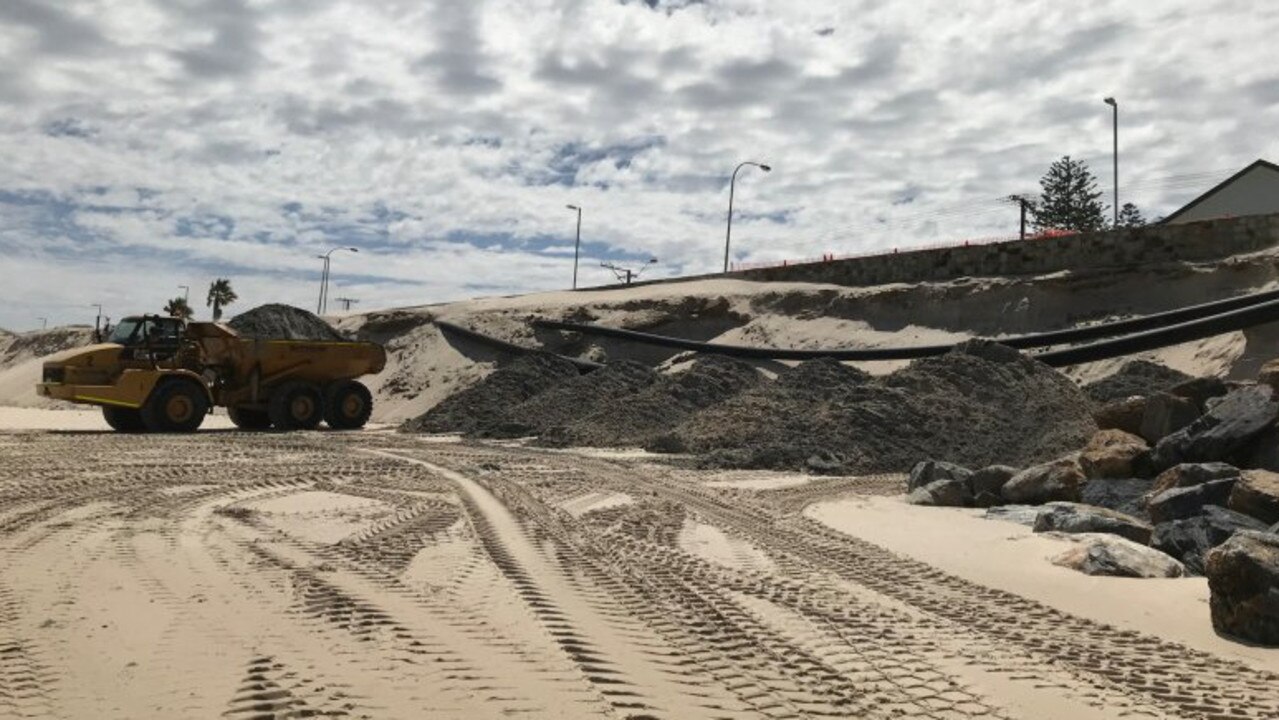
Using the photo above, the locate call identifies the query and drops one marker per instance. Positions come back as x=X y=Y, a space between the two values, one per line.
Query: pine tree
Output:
x=1130 y=217
x=1070 y=199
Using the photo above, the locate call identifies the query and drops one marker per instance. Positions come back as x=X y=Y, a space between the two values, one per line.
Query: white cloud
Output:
x=190 y=138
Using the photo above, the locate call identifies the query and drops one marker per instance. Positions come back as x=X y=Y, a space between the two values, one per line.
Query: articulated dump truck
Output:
x=160 y=374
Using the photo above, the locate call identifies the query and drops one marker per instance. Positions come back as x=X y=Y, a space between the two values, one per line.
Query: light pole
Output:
x=1111 y=102
x=577 y=246
x=322 y=304
x=186 y=294
x=732 y=186
x=44 y=323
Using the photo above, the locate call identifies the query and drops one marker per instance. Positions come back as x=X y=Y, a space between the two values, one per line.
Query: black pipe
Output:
x=584 y=366
x=1138 y=324
x=1219 y=324
x=1022 y=342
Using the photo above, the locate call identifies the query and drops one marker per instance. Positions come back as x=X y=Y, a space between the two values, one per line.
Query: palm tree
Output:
x=220 y=294
x=178 y=308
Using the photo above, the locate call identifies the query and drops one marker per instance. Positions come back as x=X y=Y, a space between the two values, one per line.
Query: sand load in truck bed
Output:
x=283 y=322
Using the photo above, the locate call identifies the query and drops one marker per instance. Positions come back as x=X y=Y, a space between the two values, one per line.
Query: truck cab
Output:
x=150 y=338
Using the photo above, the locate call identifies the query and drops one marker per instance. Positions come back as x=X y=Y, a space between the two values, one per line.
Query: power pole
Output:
x=1025 y=204
x=1115 y=105
x=577 y=245
x=346 y=303
x=324 y=282
x=97 y=323
x=627 y=275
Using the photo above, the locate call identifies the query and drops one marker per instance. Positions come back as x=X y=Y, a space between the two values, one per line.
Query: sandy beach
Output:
x=374 y=574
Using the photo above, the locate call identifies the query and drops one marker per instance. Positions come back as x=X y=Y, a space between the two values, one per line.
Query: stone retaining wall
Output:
x=1152 y=245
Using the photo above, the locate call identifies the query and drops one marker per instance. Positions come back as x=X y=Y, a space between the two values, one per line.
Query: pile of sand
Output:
x=978 y=405
x=22 y=361
x=577 y=397
x=981 y=404
x=1136 y=377
x=282 y=322
x=44 y=342
x=487 y=402
x=646 y=415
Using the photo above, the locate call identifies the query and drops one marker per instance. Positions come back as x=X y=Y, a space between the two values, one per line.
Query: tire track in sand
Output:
x=1126 y=668
x=626 y=663
x=25 y=685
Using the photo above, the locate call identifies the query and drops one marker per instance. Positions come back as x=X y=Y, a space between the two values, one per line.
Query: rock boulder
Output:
x=1257 y=495
x=1190 y=474
x=1243 y=579
x=1105 y=554
x=1110 y=454
x=1200 y=390
x=1070 y=517
x=1189 y=540
x=1128 y=495
x=1056 y=480
x=991 y=479
x=1020 y=514
x=1264 y=452
x=1269 y=374
x=1180 y=503
x=1122 y=415
x=929 y=471
x=1165 y=414
x=1229 y=426
x=942 y=493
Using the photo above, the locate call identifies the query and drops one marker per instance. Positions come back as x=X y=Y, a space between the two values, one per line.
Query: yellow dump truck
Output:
x=160 y=374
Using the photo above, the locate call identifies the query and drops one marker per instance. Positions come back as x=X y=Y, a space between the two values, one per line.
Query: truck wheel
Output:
x=249 y=419
x=125 y=420
x=296 y=406
x=175 y=406
x=347 y=405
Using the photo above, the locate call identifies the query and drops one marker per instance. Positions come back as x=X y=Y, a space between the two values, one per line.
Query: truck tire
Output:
x=175 y=406
x=125 y=420
x=249 y=419
x=296 y=405
x=347 y=405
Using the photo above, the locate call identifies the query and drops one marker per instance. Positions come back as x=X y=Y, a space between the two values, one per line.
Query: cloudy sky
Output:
x=147 y=144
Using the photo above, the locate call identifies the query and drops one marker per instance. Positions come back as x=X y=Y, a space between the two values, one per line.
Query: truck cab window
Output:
x=127 y=332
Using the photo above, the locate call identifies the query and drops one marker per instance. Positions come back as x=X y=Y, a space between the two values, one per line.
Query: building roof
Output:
x=1260 y=164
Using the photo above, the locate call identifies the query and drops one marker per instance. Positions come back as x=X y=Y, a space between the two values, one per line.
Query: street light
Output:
x=323 y=303
x=186 y=296
x=732 y=185
x=44 y=323
x=1111 y=102
x=577 y=246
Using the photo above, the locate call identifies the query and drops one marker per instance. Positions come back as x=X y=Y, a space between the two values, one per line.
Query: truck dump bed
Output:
x=238 y=359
